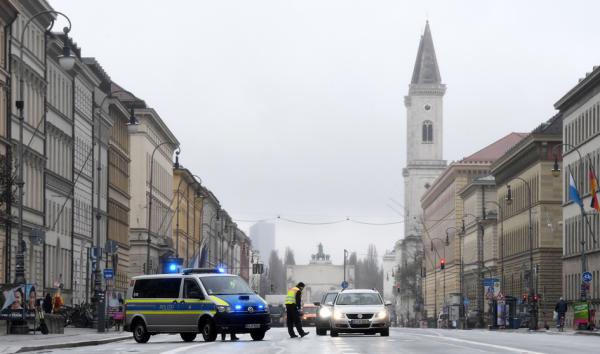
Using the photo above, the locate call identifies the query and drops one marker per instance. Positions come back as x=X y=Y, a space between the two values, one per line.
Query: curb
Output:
x=73 y=344
x=588 y=333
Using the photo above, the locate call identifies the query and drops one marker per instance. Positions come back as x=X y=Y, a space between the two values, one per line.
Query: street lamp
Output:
x=501 y=216
x=178 y=204
x=66 y=61
x=149 y=238
x=98 y=294
x=532 y=303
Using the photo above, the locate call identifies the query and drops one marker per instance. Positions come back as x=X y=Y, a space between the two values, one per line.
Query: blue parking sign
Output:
x=108 y=273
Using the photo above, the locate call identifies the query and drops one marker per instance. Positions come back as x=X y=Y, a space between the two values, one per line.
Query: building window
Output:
x=427 y=132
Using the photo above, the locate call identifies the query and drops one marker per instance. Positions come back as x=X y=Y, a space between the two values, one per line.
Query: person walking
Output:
x=47 y=304
x=561 y=310
x=293 y=305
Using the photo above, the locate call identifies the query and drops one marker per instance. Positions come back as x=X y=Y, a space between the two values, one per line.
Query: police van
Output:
x=206 y=301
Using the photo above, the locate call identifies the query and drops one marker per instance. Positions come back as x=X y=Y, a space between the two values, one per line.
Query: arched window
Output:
x=427 y=131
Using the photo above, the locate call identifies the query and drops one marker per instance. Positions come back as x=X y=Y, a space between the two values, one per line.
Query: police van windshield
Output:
x=225 y=285
x=358 y=299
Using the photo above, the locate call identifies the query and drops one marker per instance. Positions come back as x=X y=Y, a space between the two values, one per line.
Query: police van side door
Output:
x=169 y=290
x=192 y=305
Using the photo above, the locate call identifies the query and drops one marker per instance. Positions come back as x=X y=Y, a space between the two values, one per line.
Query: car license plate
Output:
x=253 y=325
x=360 y=322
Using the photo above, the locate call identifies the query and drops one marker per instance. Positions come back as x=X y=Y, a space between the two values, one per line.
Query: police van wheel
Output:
x=257 y=335
x=188 y=337
x=209 y=332
x=140 y=333
x=385 y=332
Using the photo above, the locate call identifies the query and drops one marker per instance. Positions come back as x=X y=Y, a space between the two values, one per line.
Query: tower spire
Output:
x=426 y=68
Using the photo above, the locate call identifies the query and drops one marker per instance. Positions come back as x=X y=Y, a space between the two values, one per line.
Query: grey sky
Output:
x=296 y=107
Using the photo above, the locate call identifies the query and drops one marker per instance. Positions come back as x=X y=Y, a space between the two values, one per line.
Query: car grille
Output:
x=360 y=325
x=354 y=316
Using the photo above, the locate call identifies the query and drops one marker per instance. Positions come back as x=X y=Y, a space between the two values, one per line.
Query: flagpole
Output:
x=574 y=196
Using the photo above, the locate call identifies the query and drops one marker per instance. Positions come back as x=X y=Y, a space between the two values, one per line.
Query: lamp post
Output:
x=66 y=61
x=532 y=303
x=443 y=261
x=149 y=239
x=556 y=173
x=501 y=216
x=479 y=285
x=210 y=235
x=345 y=262
x=461 y=305
x=98 y=293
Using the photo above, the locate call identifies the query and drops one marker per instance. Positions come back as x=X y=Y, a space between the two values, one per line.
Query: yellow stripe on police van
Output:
x=181 y=312
x=149 y=301
x=219 y=301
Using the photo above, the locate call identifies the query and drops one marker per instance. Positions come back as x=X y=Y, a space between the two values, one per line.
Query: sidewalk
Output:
x=73 y=337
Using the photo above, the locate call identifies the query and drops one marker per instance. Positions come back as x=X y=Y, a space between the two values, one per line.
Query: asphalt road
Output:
x=399 y=341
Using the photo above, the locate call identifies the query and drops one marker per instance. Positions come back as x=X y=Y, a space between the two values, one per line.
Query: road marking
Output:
x=495 y=346
x=183 y=349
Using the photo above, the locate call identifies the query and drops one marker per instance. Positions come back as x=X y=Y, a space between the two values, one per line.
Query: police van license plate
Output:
x=253 y=325
x=360 y=322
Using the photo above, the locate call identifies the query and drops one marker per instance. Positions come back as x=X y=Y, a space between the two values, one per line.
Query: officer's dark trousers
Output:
x=293 y=319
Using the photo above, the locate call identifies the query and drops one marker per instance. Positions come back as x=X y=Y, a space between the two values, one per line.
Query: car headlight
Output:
x=325 y=312
x=338 y=315
x=223 y=308
x=382 y=314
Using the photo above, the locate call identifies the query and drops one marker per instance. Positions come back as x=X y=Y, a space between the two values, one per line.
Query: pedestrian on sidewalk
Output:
x=47 y=305
x=561 y=310
x=293 y=306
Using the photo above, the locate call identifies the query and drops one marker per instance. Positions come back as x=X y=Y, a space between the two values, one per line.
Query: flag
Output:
x=573 y=193
x=593 y=189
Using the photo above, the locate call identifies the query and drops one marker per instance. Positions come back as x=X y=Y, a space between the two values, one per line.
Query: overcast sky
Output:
x=295 y=108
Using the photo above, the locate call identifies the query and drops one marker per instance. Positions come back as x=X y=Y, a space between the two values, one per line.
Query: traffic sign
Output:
x=108 y=273
x=587 y=277
x=344 y=284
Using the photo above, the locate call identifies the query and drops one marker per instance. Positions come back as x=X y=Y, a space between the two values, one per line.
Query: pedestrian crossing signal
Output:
x=442 y=264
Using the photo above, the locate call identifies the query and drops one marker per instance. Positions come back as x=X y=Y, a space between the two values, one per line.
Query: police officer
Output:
x=293 y=304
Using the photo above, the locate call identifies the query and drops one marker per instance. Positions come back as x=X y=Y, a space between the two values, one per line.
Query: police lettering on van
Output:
x=196 y=301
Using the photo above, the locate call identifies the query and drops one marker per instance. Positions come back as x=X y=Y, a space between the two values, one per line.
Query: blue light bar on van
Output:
x=221 y=270
x=201 y=271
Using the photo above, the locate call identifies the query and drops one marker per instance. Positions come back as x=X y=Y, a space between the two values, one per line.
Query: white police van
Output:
x=195 y=301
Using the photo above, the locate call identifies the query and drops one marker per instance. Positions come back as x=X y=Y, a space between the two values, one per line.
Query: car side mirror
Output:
x=317 y=303
x=388 y=303
x=330 y=303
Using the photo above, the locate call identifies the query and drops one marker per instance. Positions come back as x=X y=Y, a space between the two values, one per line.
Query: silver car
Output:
x=360 y=311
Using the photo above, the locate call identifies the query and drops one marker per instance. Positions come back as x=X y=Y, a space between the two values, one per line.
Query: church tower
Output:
x=424 y=128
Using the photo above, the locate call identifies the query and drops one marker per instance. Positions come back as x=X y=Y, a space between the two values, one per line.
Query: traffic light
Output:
x=524 y=297
x=257 y=268
x=442 y=264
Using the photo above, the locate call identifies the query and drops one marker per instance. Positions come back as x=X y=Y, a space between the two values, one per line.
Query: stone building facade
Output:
x=580 y=109
x=532 y=160
x=443 y=210
x=8 y=14
x=33 y=68
x=150 y=135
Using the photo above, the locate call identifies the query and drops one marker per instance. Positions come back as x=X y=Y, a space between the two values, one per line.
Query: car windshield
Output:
x=358 y=299
x=329 y=298
x=310 y=310
x=225 y=285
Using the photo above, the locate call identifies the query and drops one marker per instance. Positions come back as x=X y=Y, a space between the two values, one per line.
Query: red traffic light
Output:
x=442 y=263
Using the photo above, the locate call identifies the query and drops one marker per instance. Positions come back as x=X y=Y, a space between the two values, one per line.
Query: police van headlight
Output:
x=223 y=308
x=338 y=315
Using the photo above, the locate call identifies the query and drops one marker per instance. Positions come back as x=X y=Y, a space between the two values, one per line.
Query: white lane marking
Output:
x=495 y=346
x=183 y=349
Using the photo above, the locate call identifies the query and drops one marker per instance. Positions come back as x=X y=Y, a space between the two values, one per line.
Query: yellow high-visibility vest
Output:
x=290 y=299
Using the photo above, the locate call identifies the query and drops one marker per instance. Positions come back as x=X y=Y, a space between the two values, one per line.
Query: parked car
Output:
x=278 y=315
x=324 y=312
